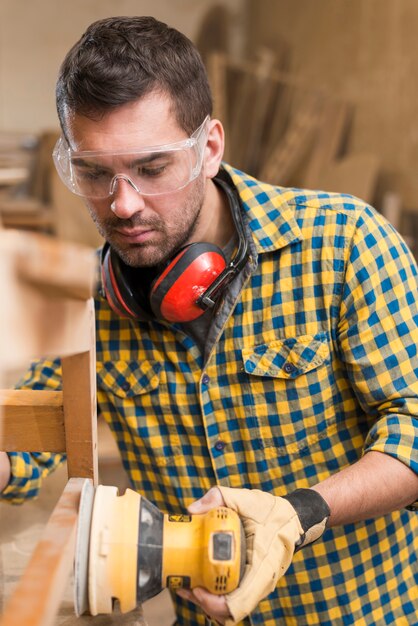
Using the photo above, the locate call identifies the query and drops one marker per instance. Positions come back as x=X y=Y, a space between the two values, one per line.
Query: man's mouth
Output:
x=135 y=235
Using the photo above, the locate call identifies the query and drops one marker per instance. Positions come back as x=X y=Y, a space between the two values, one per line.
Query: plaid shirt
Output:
x=311 y=362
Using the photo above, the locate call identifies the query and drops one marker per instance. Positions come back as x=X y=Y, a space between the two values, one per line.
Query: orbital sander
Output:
x=128 y=550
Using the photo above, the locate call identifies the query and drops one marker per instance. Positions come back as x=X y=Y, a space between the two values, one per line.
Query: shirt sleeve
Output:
x=378 y=336
x=28 y=469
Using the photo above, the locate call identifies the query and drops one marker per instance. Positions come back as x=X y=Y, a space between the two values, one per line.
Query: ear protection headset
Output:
x=191 y=282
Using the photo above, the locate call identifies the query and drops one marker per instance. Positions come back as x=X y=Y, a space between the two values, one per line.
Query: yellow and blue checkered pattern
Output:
x=315 y=363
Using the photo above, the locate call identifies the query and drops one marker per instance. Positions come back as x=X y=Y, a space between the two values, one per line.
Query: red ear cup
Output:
x=175 y=293
x=118 y=290
x=111 y=288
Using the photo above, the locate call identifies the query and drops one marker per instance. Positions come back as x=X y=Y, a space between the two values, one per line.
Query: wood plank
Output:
x=251 y=101
x=66 y=271
x=215 y=32
x=47 y=284
x=41 y=221
x=55 y=326
x=12 y=205
x=73 y=222
x=31 y=421
x=217 y=72
x=80 y=409
x=36 y=599
x=262 y=96
x=355 y=174
x=278 y=118
x=328 y=140
x=391 y=208
x=282 y=164
x=13 y=175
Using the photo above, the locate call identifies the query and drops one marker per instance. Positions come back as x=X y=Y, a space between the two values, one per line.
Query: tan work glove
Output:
x=274 y=528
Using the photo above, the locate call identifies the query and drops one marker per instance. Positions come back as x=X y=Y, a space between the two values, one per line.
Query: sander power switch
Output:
x=222 y=546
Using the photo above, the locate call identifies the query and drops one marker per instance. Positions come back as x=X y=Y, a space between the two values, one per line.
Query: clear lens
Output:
x=150 y=174
x=152 y=171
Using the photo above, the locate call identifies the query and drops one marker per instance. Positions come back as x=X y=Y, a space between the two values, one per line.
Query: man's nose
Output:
x=127 y=199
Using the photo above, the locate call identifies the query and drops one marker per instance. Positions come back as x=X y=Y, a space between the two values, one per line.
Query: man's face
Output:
x=143 y=230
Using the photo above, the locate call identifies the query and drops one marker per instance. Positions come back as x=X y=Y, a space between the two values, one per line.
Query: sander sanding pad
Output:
x=81 y=560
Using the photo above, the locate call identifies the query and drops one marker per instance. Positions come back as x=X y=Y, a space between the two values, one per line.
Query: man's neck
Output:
x=216 y=224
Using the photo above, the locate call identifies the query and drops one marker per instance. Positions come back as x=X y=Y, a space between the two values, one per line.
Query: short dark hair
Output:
x=121 y=59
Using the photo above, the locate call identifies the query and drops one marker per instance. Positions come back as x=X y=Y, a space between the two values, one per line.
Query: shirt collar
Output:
x=269 y=211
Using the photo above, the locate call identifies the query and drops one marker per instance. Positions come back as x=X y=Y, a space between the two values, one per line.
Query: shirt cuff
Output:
x=397 y=436
x=27 y=471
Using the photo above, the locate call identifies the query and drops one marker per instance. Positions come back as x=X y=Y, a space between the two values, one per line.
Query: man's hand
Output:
x=274 y=528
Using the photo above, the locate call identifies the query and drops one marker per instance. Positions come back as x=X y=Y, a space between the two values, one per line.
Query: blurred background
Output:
x=315 y=94
x=312 y=93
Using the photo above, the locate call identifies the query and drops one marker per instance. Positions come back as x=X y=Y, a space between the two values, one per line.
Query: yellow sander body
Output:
x=133 y=551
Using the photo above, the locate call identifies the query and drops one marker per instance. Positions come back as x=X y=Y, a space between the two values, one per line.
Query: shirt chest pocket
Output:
x=129 y=397
x=128 y=394
x=290 y=386
x=127 y=379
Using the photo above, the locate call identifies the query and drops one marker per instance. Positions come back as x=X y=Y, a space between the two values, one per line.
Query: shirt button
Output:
x=126 y=385
x=205 y=379
x=220 y=445
x=289 y=368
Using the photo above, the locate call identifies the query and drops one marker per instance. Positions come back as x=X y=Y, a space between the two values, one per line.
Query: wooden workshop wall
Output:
x=365 y=51
x=362 y=51
x=36 y=34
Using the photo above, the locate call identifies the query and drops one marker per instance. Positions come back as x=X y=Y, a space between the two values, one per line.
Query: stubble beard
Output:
x=155 y=252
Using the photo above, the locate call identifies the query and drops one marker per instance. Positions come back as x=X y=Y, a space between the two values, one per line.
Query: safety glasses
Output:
x=151 y=171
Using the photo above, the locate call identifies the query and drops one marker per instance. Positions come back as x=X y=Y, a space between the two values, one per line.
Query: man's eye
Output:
x=90 y=172
x=93 y=174
x=152 y=171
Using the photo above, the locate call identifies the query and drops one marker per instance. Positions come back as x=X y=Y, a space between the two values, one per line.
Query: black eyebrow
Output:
x=80 y=162
x=153 y=156
x=149 y=158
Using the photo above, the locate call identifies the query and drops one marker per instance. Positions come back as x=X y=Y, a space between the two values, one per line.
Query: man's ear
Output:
x=214 y=149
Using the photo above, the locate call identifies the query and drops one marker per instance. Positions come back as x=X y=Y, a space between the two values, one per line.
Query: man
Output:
x=281 y=381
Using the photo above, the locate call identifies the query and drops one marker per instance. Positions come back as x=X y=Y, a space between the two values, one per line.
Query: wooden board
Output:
x=80 y=410
x=36 y=600
x=355 y=174
x=329 y=139
x=283 y=162
x=32 y=420
x=47 y=284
